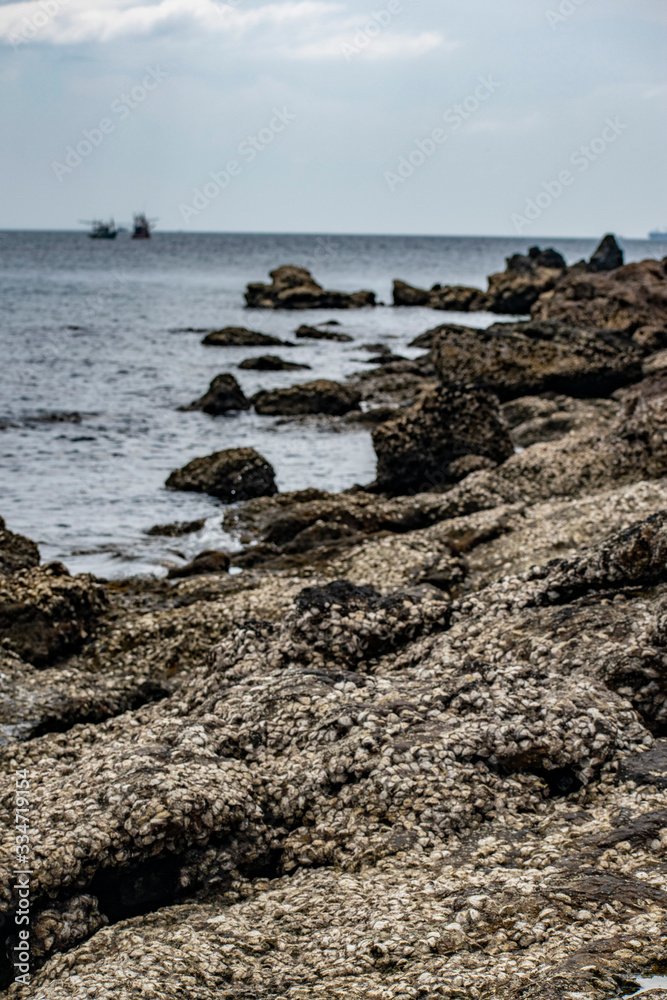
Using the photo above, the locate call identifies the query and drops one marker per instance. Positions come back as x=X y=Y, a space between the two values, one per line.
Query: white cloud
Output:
x=387 y=46
x=75 y=21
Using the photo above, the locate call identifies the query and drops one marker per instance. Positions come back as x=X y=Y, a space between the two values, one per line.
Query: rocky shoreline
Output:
x=414 y=745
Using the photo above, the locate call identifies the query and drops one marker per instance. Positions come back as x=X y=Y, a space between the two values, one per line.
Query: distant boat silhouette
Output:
x=102 y=230
x=142 y=227
x=658 y=234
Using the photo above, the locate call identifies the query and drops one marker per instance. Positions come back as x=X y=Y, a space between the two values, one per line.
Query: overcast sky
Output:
x=404 y=116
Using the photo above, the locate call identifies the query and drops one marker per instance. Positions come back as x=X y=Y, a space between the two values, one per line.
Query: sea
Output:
x=101 y=345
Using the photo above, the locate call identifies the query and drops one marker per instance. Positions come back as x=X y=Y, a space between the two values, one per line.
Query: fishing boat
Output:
x=142 y=227
x=102 y=230
x=658 y=234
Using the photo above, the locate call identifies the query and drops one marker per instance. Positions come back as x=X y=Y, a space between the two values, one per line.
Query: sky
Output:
x=474 y=117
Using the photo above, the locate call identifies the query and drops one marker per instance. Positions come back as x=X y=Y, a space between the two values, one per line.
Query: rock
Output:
x=521 y=359
x=209 y=561
x=551 y=417
x=625 y=299
x=314 y=333
x=513 y=291
x=648 y=768
x=238 y=336
x=177 y=528
x=223 y=394
x=295 y=288
x=45 y=613
x=457 y=298
x=230 y=475
x=270 y=363
x=16 y=551
x=517 y=288
x=416 y=451
x=320 y=396
x=607 y=257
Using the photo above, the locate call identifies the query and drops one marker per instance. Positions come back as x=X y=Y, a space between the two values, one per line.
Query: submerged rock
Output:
x=223 y=394
x=315 y=333
x=209 y=561
x=270 y=363
x=16 y=551
x=295 y=288
x=177 y=528
x=230 y=475
x=320 y=396
x=521 y=359
x=416 y=451
x=238 y=336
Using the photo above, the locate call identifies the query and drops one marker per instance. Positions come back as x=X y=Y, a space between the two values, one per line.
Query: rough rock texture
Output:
x=16 y=551
x=270 y=363
x=628 y=298
x=46 y=613
x=295 y=288
x=377 y=797
x=176 y=528
x=316 y=333
x=551 y=416
x=607 y=257
x=417 y=450
x=320 y=396
x=513 y=290
x=231 y=475
x=223 y=394
x=238 y=336
x=520 y=359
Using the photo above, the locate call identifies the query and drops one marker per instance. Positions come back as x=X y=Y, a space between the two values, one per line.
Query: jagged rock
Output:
x=177 y=528
x=238 y=336
x=270 y=363
x=517 y=288
x=513 y=291
x=223 y=394
x=626 y=299
x=295 y=288
x=209 y=561
x=16 y=551
x=416 y=451
x=320 y=396
x=314 y=333
x=230 y=475
x=607 y=257
x=45 y=613
x=521 y=359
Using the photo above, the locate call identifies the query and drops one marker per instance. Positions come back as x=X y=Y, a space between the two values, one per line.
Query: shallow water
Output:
x=92 y=327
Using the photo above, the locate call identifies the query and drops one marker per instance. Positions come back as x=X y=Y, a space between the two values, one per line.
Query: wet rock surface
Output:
x=223 y=394
x=317 y=333
x=238 y=336
x=270 y=363
x=295 y=288
x=320 y=396
x=230 y=475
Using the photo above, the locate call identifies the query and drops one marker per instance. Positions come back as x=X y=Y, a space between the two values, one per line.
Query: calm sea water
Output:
x=95 y=328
